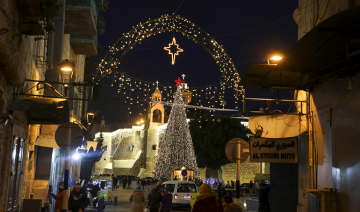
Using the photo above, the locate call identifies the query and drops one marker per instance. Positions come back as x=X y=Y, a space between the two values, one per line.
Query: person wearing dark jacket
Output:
x=155 y=200
x=207 y=201
x=221 y=191
x=264 y=205
x=124 y=181
x=129 y=182
x=229 y=206
x=77 y=200
x=143 y=183
x=167 y=200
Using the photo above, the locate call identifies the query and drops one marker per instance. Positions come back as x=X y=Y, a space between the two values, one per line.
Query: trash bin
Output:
x=115 y=200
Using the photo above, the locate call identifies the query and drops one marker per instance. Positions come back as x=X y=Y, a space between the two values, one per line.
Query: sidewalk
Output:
x=123 y=203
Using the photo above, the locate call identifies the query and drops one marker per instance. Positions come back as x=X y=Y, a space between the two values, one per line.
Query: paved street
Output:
x=123 y=203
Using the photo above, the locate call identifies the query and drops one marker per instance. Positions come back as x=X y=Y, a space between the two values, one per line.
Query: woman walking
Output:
x=137 y=198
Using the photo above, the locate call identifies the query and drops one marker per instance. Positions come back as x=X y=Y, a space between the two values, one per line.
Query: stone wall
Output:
x=248 y=171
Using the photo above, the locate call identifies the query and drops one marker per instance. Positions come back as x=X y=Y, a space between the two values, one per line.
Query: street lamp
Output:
x=90 y=117
x=66 y=70
x=275 y=56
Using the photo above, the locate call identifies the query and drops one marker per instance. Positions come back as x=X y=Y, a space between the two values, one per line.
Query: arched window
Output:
x=157 y=116
x=131 y=148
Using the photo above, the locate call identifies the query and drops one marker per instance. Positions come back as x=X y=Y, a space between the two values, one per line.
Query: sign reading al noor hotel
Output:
x=274 y=150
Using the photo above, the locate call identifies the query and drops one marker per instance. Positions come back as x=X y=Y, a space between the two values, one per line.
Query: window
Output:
x=131 y=148
x=153 y=147
x=183 y=188
x=171 y=186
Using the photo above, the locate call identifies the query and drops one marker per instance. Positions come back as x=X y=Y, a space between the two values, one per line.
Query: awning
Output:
x=42 y=110
x=46 y=142
x=331 y=49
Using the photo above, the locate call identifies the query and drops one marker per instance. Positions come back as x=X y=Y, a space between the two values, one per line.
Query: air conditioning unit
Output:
x=321 y=200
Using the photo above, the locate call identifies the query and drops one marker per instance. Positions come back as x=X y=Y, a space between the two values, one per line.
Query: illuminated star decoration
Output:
x=178 y=82
x=173 y=54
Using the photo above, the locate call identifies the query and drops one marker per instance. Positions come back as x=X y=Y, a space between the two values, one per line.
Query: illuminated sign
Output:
x=274 y=150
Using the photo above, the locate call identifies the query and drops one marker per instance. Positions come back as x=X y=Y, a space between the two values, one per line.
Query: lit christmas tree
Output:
x=176 y=147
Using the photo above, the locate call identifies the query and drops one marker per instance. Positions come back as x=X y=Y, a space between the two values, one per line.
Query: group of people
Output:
x=77 y=201
x=158 y=199
x=207 y=200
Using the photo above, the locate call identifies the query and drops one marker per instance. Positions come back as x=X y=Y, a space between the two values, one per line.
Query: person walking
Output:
x=221 y=191
x=137 y=198
x=193 y=198
x=143 y=183
x=124 y=182
x=229 y=206
x=167 y=200
x=264 y=205
x=129 y=182
x=207 y=201
x=155 y=200
x=94 y=191
x=77 y=200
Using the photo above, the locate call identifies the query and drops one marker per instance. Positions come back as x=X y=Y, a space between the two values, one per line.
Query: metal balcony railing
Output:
x=86 y=3
x=87 y=37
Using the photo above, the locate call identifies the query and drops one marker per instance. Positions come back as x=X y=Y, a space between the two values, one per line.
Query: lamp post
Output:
x=66 y=69
x=275 y=56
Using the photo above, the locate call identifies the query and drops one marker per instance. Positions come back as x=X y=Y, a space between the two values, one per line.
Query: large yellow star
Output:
x=172 y=53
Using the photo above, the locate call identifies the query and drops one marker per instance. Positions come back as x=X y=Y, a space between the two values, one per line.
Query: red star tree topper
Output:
x=178 y=82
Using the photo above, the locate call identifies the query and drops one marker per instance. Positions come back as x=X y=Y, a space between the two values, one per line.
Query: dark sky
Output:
x=244 y=28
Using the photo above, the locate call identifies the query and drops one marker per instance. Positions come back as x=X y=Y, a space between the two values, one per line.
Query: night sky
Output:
x=246 y=29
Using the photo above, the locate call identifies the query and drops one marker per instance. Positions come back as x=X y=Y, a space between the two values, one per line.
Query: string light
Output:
x=176 y=147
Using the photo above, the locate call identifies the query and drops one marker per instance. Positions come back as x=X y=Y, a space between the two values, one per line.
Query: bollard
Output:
x=115 y=200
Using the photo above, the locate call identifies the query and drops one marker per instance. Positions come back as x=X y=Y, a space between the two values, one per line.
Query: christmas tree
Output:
x=176 y=147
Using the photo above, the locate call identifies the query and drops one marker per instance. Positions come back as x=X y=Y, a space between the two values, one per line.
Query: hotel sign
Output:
x=274 y=150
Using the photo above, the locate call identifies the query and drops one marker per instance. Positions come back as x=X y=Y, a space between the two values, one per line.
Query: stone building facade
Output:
x=30 y=113
x=120 y=159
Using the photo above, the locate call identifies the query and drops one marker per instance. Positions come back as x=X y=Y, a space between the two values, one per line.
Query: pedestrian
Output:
x=229 y=206
x=228 y=185
x=94 y=191
x=59 y=198
x=251 y=184
x=155 y=200
x=143 y=183
x=167 y=200
x=124 y=182
x=137 y=198
x=129 y=182
x=264 y=204
x=77 y=200
x=193 y=198
x=221 y=191
x=207 y=201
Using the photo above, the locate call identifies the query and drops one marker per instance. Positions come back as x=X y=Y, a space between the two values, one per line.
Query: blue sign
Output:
x=184 y=173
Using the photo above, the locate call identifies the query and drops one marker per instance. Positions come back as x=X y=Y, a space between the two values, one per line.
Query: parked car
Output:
x=181 y=191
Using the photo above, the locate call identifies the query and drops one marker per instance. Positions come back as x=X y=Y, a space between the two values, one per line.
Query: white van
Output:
x=181 y=191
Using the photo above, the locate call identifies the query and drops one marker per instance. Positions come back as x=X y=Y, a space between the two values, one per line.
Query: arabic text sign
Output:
x=274 y=150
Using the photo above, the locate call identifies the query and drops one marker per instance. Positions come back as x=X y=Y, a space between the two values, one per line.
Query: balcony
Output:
x=100 y=5
x=81 y=17
x=84 y=44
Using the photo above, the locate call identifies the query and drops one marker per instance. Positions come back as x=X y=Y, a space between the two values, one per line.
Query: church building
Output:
x=134 y=150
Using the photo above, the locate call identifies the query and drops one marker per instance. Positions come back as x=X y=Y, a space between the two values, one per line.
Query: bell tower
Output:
x=157 y=110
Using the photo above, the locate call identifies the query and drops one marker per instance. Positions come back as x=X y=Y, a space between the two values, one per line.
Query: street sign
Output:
x=231 y=150
x=274 y=150
x=61 y=135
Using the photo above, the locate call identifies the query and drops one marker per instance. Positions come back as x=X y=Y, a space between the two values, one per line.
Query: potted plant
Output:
x=101 y=24
x=106 y=5
x=50 y=10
